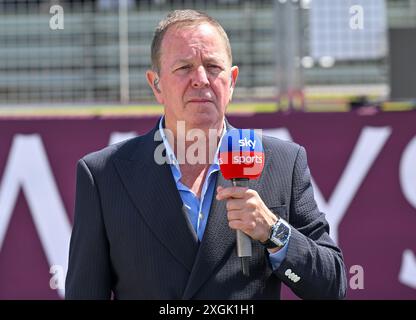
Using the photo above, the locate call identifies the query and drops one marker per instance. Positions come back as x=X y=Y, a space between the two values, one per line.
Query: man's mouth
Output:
x=199 y=100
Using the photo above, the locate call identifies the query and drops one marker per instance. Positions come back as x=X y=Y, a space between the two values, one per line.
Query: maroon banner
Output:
x=363 y=171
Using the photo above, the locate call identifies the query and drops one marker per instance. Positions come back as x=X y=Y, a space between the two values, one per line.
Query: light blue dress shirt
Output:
x=198 y=209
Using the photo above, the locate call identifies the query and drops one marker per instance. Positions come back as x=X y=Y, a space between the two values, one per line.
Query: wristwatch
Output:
x=279 y=235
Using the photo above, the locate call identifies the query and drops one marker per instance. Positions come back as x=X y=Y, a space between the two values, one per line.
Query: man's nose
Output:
x=200 y=78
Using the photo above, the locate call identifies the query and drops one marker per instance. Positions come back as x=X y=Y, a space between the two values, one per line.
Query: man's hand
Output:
x=247 y=212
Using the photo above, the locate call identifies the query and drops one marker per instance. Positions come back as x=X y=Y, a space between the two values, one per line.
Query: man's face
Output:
x=196 y=79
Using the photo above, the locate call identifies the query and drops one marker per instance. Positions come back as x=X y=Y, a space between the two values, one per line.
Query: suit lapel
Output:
x=217 y=242
x=152 y=189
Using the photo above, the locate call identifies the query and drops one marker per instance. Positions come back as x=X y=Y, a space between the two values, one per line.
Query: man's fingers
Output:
x=235 y=204
x=235 y=224
x=231 y=192
x=234 y=215
x=246 y=227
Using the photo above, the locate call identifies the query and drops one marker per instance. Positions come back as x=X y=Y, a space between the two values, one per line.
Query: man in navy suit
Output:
x=151 y=229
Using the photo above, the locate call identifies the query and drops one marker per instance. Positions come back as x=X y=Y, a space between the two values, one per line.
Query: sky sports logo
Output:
x=246 y=159
x=247 y=143
x=241 y=147
x=241 y=154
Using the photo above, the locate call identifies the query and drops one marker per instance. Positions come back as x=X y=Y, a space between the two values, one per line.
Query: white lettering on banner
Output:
x=369 y=145
x=117 y=137
x=28 y=168
x=407 y=274
x=407 y=174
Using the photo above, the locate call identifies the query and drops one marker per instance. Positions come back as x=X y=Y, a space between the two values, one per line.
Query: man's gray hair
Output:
x=181 y=18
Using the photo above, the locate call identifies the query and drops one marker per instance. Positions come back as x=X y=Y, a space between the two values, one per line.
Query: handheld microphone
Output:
x=241 y=158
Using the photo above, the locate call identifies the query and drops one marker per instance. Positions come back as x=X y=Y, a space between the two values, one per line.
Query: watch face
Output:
x=280 y=234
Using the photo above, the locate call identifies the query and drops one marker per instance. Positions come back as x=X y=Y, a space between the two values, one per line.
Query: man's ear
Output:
x=153 y=81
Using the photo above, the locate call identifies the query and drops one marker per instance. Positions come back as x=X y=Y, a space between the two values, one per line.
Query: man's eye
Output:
x=214 y=69
x=183 y=67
